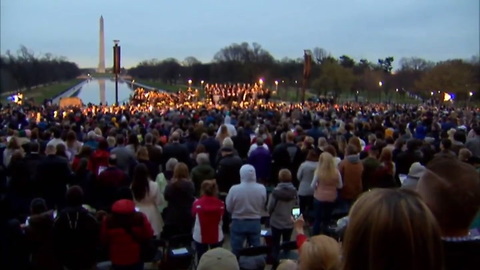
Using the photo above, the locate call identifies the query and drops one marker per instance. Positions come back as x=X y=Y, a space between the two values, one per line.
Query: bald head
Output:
x=451 y=189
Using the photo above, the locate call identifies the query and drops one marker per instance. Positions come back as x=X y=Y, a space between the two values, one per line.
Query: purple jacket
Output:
x=261 y=160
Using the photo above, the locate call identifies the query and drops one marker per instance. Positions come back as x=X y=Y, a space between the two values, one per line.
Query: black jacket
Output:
x=53 y=174
x=180 y=197
x=228 y=170
x=175 y=150
x=242 y=144
x=76 y=234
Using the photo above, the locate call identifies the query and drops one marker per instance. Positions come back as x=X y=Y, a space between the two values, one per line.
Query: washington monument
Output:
x=101 y=49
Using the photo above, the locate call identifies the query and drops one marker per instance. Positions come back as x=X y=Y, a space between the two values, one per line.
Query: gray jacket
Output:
x=280 y=204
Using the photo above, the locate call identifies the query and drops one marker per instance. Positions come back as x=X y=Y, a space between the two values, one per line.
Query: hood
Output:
x=247 y=174
x=123 y=207
x=353 y=158
x=285 y=192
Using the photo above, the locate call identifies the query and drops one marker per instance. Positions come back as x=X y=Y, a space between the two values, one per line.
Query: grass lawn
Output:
x=163 y=86
x=49 y=91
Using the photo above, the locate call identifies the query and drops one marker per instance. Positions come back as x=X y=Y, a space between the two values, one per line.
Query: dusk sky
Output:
x=431 y=29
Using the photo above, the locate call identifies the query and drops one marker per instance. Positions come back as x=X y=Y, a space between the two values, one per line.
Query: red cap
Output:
x=123 y=207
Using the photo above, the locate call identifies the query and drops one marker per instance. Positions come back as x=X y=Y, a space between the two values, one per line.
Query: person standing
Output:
x=351 y=169
x=147 y=197
x=245 y=202
x=176 y=150
x=280 y=204
x=179 y=194
x=326 y=181
x=125 y=157
x=260 y=159
x=208 y=211
x=53 y=174
x=305 y=177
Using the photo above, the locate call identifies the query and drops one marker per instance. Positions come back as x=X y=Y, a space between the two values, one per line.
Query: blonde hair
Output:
x=327 y=172
x=320 y=252
x=392 y=227
x=284 y=175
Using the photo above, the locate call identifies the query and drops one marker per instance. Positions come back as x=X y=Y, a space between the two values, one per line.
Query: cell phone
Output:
x=296 y=212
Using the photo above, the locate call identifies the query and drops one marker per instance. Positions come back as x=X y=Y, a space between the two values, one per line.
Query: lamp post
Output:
x=276 y=87
x=380 y=84
x=189 y=83
x=260 y=81
x=201 y=83
x=132 y=83
x=116 y=67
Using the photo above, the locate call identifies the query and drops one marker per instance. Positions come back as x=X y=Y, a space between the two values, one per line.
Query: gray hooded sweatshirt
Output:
x=280 y=204
x=247 y=199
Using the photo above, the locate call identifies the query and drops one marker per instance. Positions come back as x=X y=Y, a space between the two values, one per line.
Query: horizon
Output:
x=366 y=29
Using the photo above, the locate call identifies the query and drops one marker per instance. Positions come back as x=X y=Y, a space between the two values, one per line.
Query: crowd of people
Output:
x=83 y=185
x=229 y=93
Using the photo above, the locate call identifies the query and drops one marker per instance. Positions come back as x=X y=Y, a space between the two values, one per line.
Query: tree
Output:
x=334 y=78
x=346 y=61
x=320 y=54
x=386 y=64
x=415 y=64
x=25 y=70
x=191 y=61
x=453 y=76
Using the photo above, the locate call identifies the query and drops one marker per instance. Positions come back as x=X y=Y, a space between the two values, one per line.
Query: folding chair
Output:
x=179 y=254
x=253 y=258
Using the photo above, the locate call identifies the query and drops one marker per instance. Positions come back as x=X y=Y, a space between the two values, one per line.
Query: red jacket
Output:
x=99 y=159
x=123 y=249
x=208 y=212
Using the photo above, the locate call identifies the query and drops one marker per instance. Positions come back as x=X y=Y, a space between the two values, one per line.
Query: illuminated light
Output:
x=380 y=84
x=447 y=97
x=189 y=81
x=276 y=82
x=260 y=81
x=470 y=93
x=431 y=93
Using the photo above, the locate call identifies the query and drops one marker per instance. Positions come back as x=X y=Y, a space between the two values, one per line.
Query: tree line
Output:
x=248 y=62
x=25 y=70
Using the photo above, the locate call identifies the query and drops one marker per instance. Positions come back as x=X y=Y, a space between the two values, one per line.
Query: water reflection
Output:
x=101 y=84
x=103 y=90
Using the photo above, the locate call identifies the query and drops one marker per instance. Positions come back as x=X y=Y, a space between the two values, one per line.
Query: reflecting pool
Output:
x=98 y=91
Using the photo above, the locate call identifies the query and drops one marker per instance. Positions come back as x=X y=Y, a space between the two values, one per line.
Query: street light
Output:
x=431 y=93
x=189 y=83
x=132 y=83
x=260 y=81
x=380 y=84
x=470 y=93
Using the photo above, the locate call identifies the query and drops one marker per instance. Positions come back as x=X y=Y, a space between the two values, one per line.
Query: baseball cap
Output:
x=218 y=259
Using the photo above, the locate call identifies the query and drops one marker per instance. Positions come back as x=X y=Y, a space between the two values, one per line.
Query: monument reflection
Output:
x=103 y=90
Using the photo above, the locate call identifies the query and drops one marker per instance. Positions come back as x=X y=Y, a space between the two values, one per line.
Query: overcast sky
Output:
x=431 y=29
